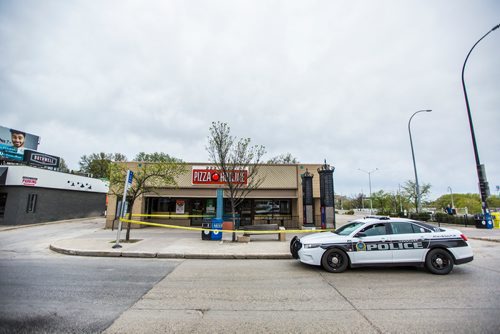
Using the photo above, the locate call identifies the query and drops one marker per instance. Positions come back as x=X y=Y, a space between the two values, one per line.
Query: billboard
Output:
x=13 y=142
x=41 y=159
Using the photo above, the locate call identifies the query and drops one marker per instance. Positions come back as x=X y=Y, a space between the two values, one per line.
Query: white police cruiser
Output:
x=375 y=241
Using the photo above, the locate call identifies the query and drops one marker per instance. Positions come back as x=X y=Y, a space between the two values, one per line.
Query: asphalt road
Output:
x=45 y=292
x=284 y=296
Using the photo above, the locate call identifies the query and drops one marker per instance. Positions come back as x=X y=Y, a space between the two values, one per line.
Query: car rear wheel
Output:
x=439 y=262
x=334 y=260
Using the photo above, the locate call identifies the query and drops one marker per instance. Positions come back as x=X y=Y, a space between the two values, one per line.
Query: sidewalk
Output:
x=154 y=242
x=157 y=242
x=471 y=232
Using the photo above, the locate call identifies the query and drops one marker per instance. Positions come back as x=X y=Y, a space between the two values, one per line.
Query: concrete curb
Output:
x=222 y=256
x=485 y=239
x=193 y=255
x=84 y=253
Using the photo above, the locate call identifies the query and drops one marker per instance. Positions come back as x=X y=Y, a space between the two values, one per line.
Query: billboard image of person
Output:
x=13 y=142
x=17 y=138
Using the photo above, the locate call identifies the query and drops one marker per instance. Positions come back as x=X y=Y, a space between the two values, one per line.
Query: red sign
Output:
x=212 y=176
x=29 y=181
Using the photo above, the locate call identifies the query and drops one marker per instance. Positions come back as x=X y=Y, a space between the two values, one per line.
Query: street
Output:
x=284 y=296
x=45 y=292
x=48 y=292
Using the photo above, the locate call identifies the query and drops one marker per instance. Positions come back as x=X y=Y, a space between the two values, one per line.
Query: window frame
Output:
x=375 y=225
x=32 y=201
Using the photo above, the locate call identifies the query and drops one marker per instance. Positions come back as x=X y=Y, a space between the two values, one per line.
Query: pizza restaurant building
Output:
x=279 y=199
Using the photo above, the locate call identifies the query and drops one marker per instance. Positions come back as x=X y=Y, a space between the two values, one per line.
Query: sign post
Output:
x=128 y=182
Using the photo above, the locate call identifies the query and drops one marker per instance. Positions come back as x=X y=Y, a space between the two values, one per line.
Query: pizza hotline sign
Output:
x=207 y=175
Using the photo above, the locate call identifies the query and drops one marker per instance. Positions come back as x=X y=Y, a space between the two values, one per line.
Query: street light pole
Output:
x=370 y=185
x=400 y=203
x=451 y=192
x=481 y=173
x=417 y=189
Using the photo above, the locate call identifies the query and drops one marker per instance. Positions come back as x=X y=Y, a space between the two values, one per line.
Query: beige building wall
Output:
x=280 y=181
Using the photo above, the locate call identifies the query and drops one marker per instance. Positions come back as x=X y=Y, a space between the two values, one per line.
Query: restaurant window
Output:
x=167 y=205
x=272 y=207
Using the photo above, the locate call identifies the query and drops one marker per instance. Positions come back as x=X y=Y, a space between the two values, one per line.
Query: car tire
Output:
x=334 y=260
x=439 y=262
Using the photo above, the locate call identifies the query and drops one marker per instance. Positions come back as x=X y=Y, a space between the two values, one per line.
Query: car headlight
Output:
x=311 y=245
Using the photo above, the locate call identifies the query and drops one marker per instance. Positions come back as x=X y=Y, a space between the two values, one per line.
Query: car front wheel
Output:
x=334 y=260
x=439 y=262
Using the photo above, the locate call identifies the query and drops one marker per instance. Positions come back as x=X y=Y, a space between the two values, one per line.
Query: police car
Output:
x=384 y=241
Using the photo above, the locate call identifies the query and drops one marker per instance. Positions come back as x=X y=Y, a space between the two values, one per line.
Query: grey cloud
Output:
x=324 y=79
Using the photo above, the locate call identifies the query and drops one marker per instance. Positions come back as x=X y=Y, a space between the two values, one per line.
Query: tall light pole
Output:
x=481 y=173
x=400 y=203
x=417 y=189
x=451 y=192
x=370 y=185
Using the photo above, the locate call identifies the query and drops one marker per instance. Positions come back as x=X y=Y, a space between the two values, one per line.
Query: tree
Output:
x=231 y=155
x=118 y=157
x=98 y=164
x=410 y=191
x=389 y=203
x=283 y=159
x=493 y=201
x=63 y=167
x=383 y=202
x=470 y=201
x=155 y=157
x=358 y=201
x=147 y=177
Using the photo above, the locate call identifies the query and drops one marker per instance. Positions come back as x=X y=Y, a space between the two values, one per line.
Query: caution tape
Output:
x=176 y=215
x=171 y=215
x=187 y=228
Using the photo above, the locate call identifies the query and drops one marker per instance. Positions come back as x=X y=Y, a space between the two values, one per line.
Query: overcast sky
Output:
x=335 y=80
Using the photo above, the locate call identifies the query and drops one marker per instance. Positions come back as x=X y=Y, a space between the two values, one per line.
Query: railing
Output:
x=466 y=220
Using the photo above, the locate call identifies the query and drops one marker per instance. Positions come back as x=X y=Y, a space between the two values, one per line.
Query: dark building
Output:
x=30 y=195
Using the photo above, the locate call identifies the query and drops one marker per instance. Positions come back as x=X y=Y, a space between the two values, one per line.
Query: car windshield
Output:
x=347 y=229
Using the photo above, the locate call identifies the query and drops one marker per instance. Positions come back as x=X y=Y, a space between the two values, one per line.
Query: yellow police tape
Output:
x=177 y=215
x=171 y=215
x=215 y=230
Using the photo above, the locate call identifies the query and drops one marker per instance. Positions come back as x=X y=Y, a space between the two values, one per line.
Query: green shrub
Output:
x=383 y=213
x=350 y=212
x=422 y=216
x=445 y=218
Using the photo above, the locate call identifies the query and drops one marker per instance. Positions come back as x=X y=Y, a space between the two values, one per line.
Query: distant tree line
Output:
x=396 y=203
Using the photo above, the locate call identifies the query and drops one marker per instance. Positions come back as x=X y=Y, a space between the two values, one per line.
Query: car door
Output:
x=408 y=242
x=372 y=245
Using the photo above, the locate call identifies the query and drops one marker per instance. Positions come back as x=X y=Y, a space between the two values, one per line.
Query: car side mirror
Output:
x=360 y=235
